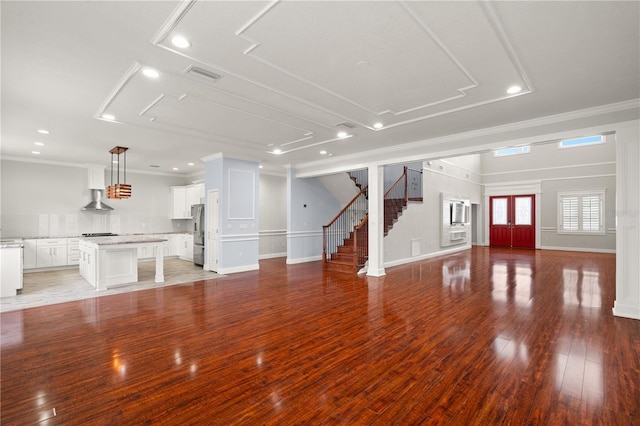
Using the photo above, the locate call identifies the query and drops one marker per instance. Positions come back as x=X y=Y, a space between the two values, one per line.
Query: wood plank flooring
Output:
x=482 y=337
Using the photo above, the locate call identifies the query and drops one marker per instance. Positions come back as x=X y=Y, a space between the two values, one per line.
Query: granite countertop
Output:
x=53 y=237
x=123 y=239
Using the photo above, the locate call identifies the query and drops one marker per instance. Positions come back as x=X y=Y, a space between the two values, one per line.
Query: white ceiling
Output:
x=292 y=71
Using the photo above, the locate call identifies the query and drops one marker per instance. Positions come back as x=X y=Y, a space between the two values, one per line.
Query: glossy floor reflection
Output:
x=485 y=336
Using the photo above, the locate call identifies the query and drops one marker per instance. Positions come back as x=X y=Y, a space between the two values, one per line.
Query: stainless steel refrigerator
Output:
x=197 y=213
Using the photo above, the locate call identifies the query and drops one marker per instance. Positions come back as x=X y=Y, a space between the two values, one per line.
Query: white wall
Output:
x=421 y=220
x=310 y=206
x=273 y=216
x=238 y=185
x=557 y=170
x=44 y=200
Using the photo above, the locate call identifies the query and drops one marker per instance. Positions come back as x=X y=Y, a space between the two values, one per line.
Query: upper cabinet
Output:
x=183 y=197
x=179 y=203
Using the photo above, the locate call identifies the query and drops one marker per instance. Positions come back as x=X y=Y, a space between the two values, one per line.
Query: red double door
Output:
x=512 y=221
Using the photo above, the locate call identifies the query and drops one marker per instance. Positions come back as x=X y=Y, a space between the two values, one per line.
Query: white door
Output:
x=212 y=230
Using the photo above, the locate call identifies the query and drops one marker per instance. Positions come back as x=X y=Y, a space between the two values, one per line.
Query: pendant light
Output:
x=119 y=190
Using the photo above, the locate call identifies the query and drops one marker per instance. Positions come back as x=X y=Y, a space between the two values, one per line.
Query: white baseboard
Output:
x=236 y=269
x=426 y=256
x=376 y=272
x=581 y=249
x=272 y=255
x=303 y=260
x=627 y=311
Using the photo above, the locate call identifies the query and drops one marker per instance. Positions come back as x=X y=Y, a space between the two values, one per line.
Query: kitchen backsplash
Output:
x=73 y=224
x=36 y=206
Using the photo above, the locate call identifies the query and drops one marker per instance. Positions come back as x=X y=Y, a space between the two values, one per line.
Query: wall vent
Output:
x=201 y=73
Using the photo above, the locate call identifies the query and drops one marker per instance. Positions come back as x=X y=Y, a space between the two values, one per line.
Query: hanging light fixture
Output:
x=119 y=190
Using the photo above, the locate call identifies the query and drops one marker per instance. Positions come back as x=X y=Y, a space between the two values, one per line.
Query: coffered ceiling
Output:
x=288 y=76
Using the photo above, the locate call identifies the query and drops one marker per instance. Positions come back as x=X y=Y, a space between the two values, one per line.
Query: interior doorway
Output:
x=512 y=221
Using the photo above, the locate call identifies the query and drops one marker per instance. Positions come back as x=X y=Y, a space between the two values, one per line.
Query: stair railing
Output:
x=361 y=241
x=414 y=184
x=398 y=195
x=334 y=234
x=360 y=177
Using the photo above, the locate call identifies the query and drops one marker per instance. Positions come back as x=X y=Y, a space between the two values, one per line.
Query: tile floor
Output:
x=65 y=285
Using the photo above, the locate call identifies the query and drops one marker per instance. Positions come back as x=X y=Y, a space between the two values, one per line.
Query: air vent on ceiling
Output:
x=201 y=73
x=154 y=165
x=346 y=125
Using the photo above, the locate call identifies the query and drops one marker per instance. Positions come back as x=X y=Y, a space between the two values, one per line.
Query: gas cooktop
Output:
x=100 y=234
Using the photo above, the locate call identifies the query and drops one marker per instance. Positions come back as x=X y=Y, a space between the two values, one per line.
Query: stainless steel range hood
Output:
x=96 y=187
x=96 y=201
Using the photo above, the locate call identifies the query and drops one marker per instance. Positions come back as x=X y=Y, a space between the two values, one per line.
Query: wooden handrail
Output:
x=346 y=207
x=404 y=175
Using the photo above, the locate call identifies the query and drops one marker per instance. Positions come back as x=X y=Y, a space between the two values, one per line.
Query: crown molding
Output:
x=391 y=154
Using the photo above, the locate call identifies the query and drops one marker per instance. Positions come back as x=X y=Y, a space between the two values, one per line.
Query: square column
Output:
x=627 y=211
x=376 y=221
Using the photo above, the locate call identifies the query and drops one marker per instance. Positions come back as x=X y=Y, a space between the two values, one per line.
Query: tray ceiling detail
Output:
x=396 y=62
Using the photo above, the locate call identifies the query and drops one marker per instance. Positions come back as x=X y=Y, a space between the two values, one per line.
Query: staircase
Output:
x=345 y=238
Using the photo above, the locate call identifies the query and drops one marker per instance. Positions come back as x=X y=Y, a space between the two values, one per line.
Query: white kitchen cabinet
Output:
x=29 y=254
x=185 y=247
x=51 y=252
x=195 y=194
x=172 y=244
x=73 y=251
x=10 y=269
x=183 y=197
x=170 y=247
x=87 y=266
x=146 y=252
x=179 y=203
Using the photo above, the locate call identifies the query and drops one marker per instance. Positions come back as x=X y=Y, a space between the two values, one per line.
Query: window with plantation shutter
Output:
x=581 y=212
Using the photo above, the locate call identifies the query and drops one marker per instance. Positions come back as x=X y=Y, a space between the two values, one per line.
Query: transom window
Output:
x=581 y=212
x=588 y=140
x=511 y=151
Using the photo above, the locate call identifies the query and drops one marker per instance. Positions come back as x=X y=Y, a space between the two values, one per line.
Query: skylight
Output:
x=588 y=140
x=511 y=151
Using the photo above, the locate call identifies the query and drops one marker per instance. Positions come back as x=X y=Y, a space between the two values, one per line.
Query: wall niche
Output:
x=455 y=220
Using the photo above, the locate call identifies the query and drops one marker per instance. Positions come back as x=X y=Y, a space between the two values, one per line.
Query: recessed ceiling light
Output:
x=378 y=125
x=35 y=152
x=342 y=134
x=260 y=166
x=190 y=164
x=43 y=131
x=277 y=151
x=151 y=73
x=108 y=117
x=175 y=169
x=38 y=143
x=323 y=152
x=181 y=42
x=513 y=90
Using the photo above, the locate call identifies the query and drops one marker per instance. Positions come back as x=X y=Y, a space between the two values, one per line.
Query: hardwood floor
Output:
x=482 y=337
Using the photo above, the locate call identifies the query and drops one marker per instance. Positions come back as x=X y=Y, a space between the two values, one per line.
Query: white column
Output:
x=376 y=221
x=159 y=263
x=627 y=211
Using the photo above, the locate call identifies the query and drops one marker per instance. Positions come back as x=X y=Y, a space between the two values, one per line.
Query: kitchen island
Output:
x=110 y=261
x=10 y=267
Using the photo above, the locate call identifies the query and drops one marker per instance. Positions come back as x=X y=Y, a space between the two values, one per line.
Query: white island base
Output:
x=111 y=261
